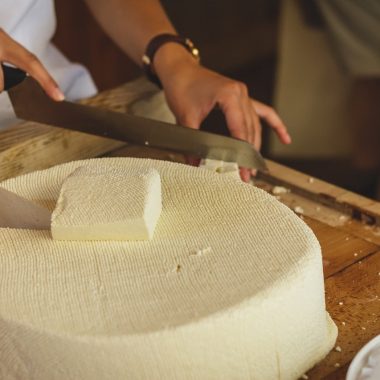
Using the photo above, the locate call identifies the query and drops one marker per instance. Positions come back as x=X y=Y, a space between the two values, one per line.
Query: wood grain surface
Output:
x=346 y=224
x=32 y=146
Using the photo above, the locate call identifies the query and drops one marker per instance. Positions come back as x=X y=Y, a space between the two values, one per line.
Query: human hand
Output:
x=192 y=91
x=14 y=53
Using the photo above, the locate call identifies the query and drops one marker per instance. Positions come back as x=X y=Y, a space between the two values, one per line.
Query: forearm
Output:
x=131 y=23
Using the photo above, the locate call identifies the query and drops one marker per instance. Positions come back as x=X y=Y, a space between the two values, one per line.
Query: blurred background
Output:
x=317 y=62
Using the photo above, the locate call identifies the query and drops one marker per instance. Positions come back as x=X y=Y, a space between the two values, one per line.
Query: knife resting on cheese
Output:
x=31 y=103
x=19 y=212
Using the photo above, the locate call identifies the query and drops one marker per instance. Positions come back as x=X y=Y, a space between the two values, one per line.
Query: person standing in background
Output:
x=328 y=90
x=354 y=30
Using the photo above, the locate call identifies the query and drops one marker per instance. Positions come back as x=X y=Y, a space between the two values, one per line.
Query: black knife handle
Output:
x=12 y=76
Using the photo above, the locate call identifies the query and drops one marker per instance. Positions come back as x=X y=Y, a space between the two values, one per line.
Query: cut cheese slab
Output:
x=222 y=167
x=111 y=204
x=250 y=306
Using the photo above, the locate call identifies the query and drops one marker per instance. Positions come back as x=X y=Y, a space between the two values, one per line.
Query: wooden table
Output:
x=346 y=224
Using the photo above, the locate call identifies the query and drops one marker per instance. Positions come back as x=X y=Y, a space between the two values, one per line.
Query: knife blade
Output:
x=18 y=212
x=31 y=103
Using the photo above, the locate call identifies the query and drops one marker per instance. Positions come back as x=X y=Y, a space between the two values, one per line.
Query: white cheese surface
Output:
x=221 y=167
x=111 y=204
x=251 y=306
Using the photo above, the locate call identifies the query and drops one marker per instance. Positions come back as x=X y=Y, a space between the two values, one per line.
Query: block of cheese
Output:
x=111 y=204
x=222 y=167
x=231 y=287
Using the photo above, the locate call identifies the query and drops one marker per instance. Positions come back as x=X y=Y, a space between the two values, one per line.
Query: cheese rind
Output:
x=110 y=204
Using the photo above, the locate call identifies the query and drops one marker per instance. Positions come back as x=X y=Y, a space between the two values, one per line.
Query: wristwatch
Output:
x=155 y=43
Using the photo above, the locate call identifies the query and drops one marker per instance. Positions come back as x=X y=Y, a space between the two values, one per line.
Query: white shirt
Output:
x=32 y=23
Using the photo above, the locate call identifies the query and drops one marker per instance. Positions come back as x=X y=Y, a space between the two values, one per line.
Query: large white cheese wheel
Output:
x=231 y=287
x=111 y=204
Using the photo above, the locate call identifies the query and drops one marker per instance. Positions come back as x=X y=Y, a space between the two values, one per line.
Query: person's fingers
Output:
x=14 y=53
x=30 y=63
x=232 y=109
x=257 y=129
x=1 y=80
x=238 y=114
x=242 y=93
x=245 y=174
x=237 y=120
x=271 y=117
x=249 y=121
x=192 y=160
x=191 y=119
x=254 y=134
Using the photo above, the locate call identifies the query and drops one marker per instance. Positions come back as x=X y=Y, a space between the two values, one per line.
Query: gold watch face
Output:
x=146 y=59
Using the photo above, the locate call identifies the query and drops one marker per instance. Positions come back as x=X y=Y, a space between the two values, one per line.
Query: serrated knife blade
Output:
x=31 y=103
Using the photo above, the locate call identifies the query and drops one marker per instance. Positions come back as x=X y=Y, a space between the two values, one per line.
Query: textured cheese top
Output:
x=231 y=286
x=111 y=204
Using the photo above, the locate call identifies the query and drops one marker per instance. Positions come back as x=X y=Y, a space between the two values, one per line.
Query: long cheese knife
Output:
x=31 y=103
x=18 y=212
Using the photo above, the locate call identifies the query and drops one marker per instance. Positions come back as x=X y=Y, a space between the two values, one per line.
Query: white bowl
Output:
x=361 y=358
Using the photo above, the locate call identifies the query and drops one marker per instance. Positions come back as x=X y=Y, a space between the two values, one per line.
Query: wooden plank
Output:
x=369 y=233
x=353 y=301
x=339 y=248
x=32 y=146
x=314 y=208
x=45 y=147
x=339 y=374
x=354 y=205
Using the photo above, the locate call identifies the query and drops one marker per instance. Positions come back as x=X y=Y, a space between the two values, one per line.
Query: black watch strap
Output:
x=155 y=43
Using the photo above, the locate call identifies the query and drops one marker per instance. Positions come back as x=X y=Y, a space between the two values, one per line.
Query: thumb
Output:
x=189 y=119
